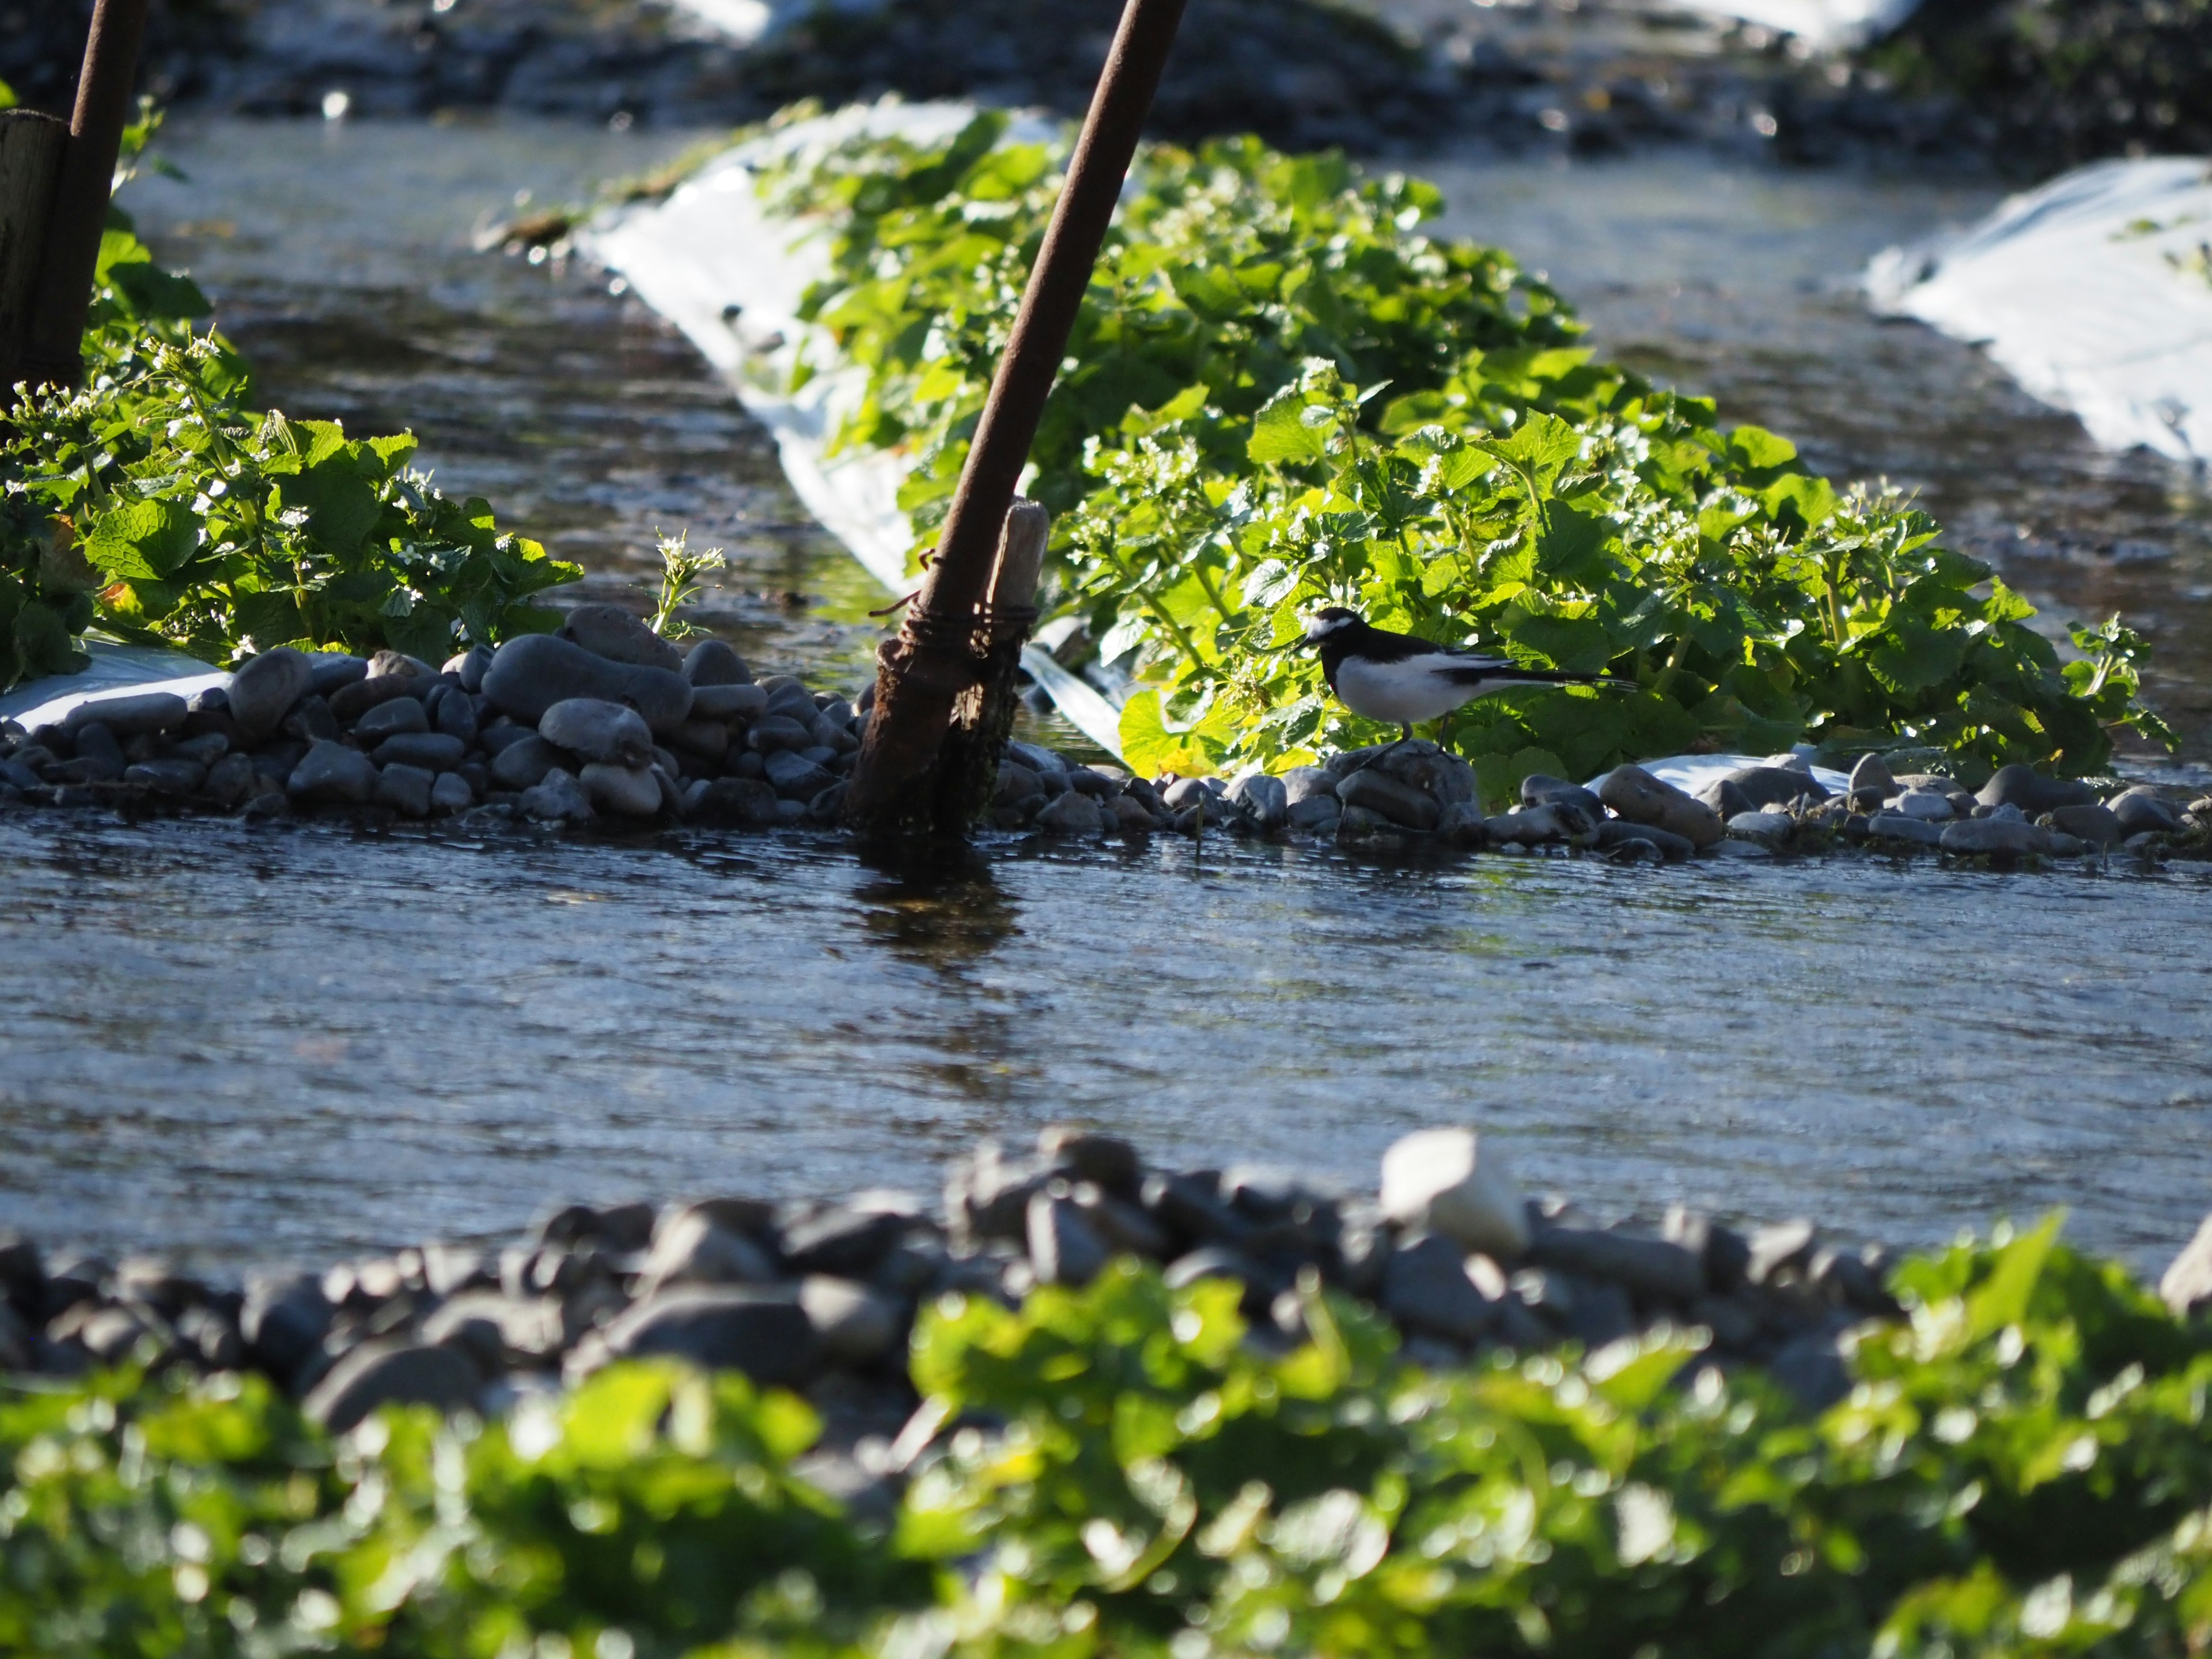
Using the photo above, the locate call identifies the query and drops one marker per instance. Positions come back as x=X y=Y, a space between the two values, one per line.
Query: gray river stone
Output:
x=433 y=751
x=1462 y=824
x=629 y=791
x=1064 y=1248
x=558 y=798
x=172 y=777
x=332 y=672
x=2032 y=792
x=1769 y=827
x=1538 y=790
x=2142 y=810
x=1109 y=1162
x=1926 y=804
x=728 y=703
x=2002 y=837
x=1643 y=799
x=349 y=703
x=1776 y=786
x=456 y=716
x=389 y=720
x=2186 y=1285
x=794 y=777
x=450 y=793
x=492 y=1328
x=523 y=765
x=774 y=732
x=1451 y=1182
x=528 y=675
x=2098 y=825
x=1910 y=831
x=1649 y=1267
x=1536 y=826
x=1425 y=1288
x=690 y=1247
x=845 y=1239
x=609 y=631
x=854 y=1324
x=1872 y=782
x=760 y=1330
x=263 y=690
x=405 y=789
x=332 y=772
x=1071 y=813
x=143 y=712
x=1398 y=801
x=1266 y=799
x=713 y=662
x=1320 y=812
x=1613 y=832
x=737 y=803
x=230 y=780
x=1304 y=783
x=592 y=729
x=385 y=1373
x=283 y=1318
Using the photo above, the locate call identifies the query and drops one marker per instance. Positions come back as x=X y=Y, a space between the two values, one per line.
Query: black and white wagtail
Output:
x=1397 y=678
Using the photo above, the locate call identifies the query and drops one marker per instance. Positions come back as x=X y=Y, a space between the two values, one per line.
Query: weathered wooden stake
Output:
x=53 y=352
x=31 y=147
x=922 y=673
x=967 y=770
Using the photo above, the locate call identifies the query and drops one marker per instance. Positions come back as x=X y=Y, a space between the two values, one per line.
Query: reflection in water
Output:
x=938 y=907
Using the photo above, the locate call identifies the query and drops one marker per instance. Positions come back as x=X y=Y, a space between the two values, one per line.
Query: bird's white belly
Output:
x=1404 y=693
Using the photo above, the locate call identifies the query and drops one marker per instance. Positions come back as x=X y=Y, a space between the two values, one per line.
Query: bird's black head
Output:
x=1330 y=622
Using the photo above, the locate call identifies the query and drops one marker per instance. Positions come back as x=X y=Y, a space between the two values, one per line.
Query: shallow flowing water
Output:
x=289 y=1042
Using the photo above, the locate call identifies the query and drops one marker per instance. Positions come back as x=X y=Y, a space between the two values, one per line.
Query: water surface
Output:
x=298 y=1040
x=288 y=1043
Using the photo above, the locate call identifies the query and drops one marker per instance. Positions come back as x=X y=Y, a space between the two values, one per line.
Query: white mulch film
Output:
x=2095 y=292
x=115 y=671
x=1825 y=25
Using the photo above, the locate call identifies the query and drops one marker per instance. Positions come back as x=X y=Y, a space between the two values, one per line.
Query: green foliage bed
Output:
x=160 y=506
x=2023 y=1468
x=1282 y=393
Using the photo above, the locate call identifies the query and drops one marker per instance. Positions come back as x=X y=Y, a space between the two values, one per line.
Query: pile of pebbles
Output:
x=602 y=720
x=822 y=1298
x=1414 y=791
x=606 y=723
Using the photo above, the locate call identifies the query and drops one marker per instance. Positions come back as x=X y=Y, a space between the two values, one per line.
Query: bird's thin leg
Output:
x=1404 y=735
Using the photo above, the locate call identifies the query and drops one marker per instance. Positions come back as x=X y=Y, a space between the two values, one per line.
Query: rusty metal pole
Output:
x=53 y=347
x=931 y=663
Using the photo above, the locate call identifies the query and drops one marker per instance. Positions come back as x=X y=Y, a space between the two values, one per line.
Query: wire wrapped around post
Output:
x=950 y=789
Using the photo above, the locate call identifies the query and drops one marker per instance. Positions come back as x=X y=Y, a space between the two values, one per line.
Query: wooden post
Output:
x=967 y=772
x=31 y=147
x=920 y=674
x=53 y=349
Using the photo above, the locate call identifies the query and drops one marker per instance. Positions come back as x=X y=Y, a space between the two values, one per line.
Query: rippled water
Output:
x=300 y=1040
x=289 y=1042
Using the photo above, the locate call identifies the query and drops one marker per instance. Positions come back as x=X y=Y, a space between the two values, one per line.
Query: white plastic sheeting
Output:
x=713 y=262
x=1693 y=773
x=1823 y=25
x=115 y=671
x=2092 y=292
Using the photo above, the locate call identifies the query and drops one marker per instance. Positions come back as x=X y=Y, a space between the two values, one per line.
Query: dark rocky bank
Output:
x=1967 y=79
x=821 y=1297
x=606 y=725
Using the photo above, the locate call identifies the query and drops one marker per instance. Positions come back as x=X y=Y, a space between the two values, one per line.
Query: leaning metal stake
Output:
x=922 y=672
x=53 y=347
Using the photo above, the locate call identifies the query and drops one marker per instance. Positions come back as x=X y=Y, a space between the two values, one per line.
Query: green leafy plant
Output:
x=1281 y=393
x=680 y=570
x=157 y=503
x=2022 y=1468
